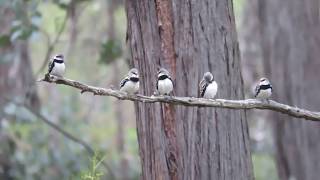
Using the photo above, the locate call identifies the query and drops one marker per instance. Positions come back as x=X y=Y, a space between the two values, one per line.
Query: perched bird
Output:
x=208 y=87
x=164 y=82
x=263 y=89
x=130 y=84
x=56 y=66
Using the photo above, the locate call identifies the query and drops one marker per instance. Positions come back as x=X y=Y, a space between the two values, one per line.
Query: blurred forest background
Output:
x=92 y=36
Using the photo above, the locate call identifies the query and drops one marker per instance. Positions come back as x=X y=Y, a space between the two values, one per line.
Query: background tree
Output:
x=189 y=38
x=289 y=42
x=32 y=31
x=15 y=76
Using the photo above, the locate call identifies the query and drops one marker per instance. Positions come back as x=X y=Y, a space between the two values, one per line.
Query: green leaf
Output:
x=5 y=41
x=110 y=51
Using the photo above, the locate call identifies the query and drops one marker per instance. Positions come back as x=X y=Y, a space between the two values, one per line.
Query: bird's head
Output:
x=163 y=72
x=134 y=72
x=208 y=77
x=264 y=81
x=58 y=57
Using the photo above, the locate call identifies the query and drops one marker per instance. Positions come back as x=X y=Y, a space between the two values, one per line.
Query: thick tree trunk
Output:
x=290 y=44
x=189 y=38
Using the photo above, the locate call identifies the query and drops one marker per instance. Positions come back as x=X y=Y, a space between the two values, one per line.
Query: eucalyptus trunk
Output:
x=188 y=38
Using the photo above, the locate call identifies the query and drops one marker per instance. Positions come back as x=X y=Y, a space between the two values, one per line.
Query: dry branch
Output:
x=191 y=101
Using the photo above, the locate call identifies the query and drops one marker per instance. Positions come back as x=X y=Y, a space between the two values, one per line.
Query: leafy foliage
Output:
x=110 y=51
x=264 y=167
x=4 y=41
x=93 y=173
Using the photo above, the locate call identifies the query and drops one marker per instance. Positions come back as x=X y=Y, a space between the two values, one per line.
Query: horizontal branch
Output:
x=191 y=101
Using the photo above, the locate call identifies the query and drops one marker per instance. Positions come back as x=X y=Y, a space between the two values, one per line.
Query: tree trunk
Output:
x=16 y=83
x=189 y=38
x=122 y=172
x=16 y=77
x=290 y=44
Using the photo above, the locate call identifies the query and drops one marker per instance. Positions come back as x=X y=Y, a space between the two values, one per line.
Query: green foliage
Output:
x=35 y=157
x=63 y=4
x=4 y=41
x=93 y=172
x=238 y=8
x=110 y=51
x=39 y=152
x=25 y=21
x=264 y=167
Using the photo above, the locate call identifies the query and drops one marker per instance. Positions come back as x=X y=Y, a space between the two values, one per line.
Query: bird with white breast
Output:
x=207 y=86
x=130 y=84
x=164 y=82
x=57 y=66
x=263 y=89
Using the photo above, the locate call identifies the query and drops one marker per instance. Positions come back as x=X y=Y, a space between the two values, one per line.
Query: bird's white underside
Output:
x=130 y=87
x=264 y=94
x=211 y=90
x=165 y=86
x=58 y=69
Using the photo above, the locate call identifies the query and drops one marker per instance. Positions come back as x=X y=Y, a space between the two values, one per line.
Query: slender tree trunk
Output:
x=119 y=106
x=290 y=44
x=189 y=38
x=16 y=83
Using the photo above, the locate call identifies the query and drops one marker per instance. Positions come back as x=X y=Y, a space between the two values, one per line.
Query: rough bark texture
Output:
x=188 y=38
x=290 y=44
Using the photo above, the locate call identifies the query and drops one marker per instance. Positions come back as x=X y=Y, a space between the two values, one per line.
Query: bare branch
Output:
x=191 y=101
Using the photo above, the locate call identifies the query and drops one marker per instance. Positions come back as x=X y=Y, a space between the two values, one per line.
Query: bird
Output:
x=130 y=84
x=57 y=66
x=263 y=89
x=208 y=87
x=164 y=82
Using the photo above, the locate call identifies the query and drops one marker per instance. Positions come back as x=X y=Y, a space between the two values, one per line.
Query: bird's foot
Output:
x=156 y=93
x=112 y=87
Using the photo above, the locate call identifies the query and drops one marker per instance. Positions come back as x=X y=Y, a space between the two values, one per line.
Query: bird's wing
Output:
x=124 y=81
x=257 y=90
x=157 y=84
x=202 y=87
x=51 y=65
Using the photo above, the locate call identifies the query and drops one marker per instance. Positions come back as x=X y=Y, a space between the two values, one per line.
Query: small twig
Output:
x=191 y=101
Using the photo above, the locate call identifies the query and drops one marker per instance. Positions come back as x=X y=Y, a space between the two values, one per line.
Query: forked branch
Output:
x=191 y=101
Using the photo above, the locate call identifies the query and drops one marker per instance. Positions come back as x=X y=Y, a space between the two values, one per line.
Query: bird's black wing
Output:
x=202 y=87
x=157 y=85
x=124 y=81
x=51 y=65
x=257 y=90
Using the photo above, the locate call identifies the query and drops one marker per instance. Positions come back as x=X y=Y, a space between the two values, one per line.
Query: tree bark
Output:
x=290 y=43
x=188 y=38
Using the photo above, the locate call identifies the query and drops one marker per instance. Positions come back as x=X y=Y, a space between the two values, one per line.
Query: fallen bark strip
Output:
x=191 y=101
